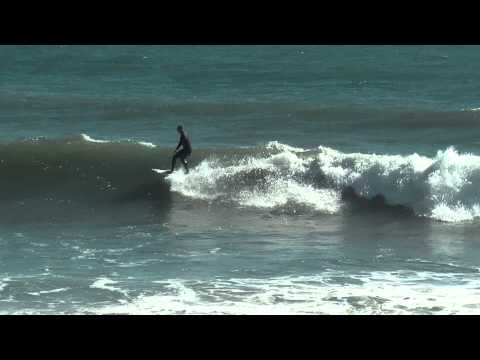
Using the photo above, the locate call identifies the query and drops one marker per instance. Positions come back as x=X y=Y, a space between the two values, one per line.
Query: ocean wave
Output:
x=41 y=176
x=80 y=177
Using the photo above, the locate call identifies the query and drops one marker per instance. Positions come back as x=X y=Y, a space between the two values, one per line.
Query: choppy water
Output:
x=325 y=180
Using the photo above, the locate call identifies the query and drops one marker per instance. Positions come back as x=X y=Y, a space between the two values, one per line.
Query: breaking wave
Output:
x=47 y=178
x=445 y=187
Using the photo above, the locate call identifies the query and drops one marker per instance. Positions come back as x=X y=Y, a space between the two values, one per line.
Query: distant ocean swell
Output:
x=118 y=108
x=82 y=173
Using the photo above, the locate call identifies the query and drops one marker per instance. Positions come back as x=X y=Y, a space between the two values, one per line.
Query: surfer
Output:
x=184 y=152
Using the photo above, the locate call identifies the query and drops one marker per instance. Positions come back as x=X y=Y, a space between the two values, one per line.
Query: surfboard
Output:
x=160 y=171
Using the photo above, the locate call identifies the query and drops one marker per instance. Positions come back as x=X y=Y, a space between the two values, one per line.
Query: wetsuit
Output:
x=182 y=154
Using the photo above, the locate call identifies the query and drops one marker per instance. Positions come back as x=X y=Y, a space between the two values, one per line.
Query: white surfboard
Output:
x=160 y=171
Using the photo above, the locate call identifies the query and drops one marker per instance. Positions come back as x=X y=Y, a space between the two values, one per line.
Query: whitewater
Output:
x=444 y=187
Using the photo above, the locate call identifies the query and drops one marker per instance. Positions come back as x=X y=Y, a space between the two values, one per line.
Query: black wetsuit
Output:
x=186 y=146
x=182 y=154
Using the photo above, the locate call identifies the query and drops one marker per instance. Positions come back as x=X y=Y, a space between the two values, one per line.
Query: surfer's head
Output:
x=180 y=128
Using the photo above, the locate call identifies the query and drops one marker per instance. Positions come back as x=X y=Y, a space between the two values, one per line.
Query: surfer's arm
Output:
x=179 y=144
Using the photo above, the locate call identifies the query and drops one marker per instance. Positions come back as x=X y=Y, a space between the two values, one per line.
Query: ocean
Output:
x=323 y=180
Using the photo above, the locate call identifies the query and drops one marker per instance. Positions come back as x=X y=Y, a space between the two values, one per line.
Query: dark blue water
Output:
x=324 y=179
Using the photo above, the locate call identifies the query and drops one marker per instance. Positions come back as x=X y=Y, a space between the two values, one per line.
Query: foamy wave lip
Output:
x=105 y=283
x=90 y=139
x=366 y=293
x=275 y=145
x=147 y=144
x=54 y=291
x=444 y=187
x=4 y=283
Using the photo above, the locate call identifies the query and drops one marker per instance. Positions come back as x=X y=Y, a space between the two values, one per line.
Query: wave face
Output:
x=79 y=177
x=444 y=187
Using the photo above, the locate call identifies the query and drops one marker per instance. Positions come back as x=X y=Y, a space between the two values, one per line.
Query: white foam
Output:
x=373 y=293
x=210 y=180
x=445 y=187
x=283 y=192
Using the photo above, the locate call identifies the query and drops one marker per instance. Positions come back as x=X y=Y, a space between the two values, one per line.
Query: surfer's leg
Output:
x=185 y=165
x=182 y=154
x=174 y=159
